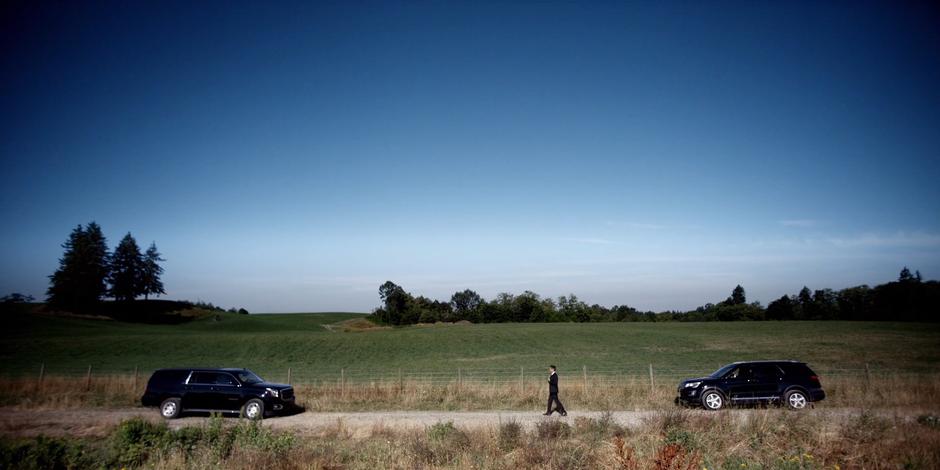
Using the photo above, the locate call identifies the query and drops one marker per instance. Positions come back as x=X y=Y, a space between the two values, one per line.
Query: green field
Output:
x=269 y=344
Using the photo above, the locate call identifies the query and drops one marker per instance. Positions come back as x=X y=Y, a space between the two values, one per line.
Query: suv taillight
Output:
x=814 y=378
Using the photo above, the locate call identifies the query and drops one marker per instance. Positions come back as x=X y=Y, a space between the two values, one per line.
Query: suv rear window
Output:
x=801 y=370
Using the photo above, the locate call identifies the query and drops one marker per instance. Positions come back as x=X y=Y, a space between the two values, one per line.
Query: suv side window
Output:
x=205 y=378
x=767 y=371
x=222 y=378
x=212 y=378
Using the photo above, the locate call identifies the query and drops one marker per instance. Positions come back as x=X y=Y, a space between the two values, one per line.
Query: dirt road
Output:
x=97 y=422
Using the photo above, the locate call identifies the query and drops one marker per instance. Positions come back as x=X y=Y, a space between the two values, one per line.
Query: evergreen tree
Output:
x=79 y=282
x=737 y=296
x=905 y=275
x=126 y=270
x=151 y=271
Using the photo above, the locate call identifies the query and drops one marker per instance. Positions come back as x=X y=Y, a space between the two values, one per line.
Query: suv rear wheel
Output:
x=170 y=408
x=253 y=409
x=713 y=400
x=795 y=400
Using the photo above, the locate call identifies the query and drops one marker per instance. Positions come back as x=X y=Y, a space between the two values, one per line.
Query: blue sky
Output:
x=293 y=157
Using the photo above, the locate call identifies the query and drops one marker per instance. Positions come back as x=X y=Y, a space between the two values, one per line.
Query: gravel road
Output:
x=97 y=422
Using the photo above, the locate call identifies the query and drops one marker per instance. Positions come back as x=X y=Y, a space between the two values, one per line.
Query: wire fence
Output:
x=598 y=376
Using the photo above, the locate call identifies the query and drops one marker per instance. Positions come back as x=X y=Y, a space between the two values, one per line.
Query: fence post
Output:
x=651 y=380
x=401 y=382
x=342 y=380
x=289 y=376
x=136 y=376
x=88 y=378
x=459 y=380
x=42 y=372
x=867 y=375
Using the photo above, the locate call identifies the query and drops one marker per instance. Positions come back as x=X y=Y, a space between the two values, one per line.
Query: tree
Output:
x=737 y=296
x=573 y=309
x=17 y=298
x=803 y=310
x=151 y=271
x=780 y=309
x=825 y=305
x=905 y=275
x=396 y=303
x=80 y=281
x=466 y=305
x=855 y=303
x=527 y=307
x=126 y=270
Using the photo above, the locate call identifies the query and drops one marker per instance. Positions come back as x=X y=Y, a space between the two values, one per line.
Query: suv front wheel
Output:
x=795 y=400
x=253 y=409
x=713 y=400
x=170 y=408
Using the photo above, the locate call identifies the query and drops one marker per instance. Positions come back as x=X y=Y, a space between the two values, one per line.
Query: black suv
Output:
x=215 y=390
x=790 y=383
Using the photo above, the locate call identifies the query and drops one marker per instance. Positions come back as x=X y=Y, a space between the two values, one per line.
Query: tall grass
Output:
x=665 y=440
x=603 y=393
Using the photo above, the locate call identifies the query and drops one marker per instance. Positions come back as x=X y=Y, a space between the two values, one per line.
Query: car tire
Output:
x=713 y=400
x=170 y=408
x=796 y=400
x=253 y=409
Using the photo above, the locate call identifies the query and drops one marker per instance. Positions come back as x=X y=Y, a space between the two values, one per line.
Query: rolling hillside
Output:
x=315 y=346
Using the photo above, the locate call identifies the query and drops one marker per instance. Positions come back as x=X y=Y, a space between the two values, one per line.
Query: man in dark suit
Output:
x=553 y=394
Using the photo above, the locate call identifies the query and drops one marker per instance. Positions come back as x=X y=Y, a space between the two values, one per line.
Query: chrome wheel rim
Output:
x=797 y=400
x=169 y=409
x=252 y=410
x=713 y=401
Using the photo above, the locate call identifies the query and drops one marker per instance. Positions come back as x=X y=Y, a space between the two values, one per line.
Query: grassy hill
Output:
x=316 y=347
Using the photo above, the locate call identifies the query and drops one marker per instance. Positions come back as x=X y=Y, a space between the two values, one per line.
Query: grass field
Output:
x=315 y=347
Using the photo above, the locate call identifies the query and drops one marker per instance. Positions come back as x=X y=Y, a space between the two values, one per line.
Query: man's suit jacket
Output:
x=553 y=384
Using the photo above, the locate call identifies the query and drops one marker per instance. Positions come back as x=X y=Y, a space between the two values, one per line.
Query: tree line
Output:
x=88 y=271
x=910 y=298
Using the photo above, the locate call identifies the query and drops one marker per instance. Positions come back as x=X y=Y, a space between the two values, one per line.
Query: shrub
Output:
x=685 y=438
x=865 y=428
x=45 y=453
x=674 y=456
x=598 y=429
x=510 y=435
x=134 y=440
x=439 y=431
x=624 y=454
x=253 y=435
x=552 y=429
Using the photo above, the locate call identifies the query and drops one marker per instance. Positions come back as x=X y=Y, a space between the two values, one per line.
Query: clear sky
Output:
x=293 y=157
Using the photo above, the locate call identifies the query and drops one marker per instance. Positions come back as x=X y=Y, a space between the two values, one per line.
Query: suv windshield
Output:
x=248 y=377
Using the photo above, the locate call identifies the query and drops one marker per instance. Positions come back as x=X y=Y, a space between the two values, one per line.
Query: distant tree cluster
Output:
x=402 y=308
x=88 y=271
x=17 y=298
x=210 y=306
x=910 y=298
x=907 y=299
